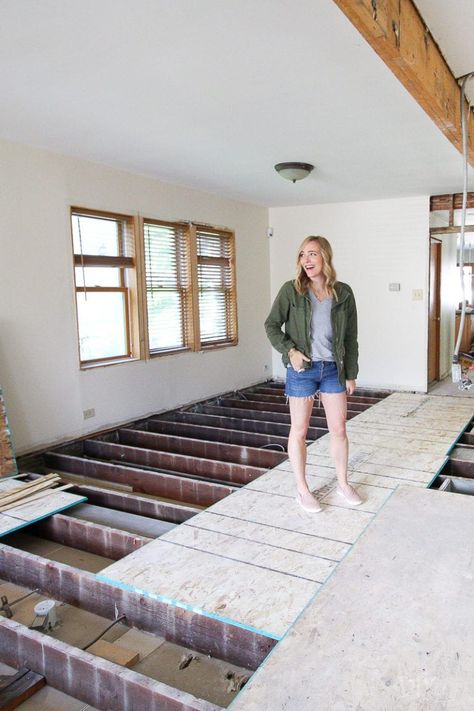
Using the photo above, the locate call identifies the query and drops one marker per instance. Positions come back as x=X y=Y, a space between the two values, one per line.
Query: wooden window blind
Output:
x=190 y=286
x=216 y=286
x=167 y=271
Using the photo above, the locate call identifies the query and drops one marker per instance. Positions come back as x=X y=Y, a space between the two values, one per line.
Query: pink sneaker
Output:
x=350 y=495
x=312 y=506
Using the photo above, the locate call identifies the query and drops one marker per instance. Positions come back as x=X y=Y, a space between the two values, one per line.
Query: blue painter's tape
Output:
x=23 y=524
x=186 y=606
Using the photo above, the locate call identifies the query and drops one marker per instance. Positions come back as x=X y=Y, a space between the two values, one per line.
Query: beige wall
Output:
x=375 y=243
x=45 y=391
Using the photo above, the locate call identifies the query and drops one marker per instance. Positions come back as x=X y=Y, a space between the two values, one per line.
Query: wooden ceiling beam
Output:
x=397 y=32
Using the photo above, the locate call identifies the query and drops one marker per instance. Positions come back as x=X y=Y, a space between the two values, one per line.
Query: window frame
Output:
x=187 y=315
x=128 y=283
x=133 y=284
x=230 y=294
x=193 y=341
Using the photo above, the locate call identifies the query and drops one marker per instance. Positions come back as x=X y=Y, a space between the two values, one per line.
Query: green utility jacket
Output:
x=293 y=311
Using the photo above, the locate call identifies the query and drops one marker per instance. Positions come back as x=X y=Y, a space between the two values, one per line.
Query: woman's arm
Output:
x=351 y=357
x=276 y=318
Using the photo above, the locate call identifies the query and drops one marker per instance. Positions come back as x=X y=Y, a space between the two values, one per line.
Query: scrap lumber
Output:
x=25 y=494
x=17 y=688
x=24 y=488
x=34 y=497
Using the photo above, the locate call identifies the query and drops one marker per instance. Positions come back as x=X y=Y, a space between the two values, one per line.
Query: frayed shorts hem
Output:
x=322 y=377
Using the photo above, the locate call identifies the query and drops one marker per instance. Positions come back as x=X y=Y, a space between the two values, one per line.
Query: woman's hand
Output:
x=297 y=359
x=350 y=386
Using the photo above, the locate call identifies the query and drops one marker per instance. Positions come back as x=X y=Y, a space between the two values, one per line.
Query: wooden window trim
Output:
x=191 y=300
x=230 y=293
x=129 y=278
x=95 y=260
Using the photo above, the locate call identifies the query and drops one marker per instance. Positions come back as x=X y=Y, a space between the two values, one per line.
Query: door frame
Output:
x=437 y=300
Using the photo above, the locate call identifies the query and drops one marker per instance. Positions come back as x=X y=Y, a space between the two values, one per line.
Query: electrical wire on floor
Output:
x=457 y=374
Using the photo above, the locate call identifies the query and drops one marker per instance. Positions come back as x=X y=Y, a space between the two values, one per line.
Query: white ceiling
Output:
x=212 y=93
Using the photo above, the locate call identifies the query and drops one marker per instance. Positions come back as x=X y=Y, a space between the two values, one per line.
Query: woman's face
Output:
x=311 y=260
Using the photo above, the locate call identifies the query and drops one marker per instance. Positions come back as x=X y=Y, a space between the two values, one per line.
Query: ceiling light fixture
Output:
x=294 y=171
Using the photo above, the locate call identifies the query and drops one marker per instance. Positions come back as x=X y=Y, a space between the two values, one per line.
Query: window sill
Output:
x=171 y=351
x=105 y=363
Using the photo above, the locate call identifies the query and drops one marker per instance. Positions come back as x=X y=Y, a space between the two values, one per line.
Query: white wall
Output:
x=45 y=391
x=375 y=243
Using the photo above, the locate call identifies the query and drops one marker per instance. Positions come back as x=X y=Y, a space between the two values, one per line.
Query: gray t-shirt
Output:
x=321 y=328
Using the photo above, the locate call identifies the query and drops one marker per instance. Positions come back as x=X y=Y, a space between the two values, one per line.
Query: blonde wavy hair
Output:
x=302 y=280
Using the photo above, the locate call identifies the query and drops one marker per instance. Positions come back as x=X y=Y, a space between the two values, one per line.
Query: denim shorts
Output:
x=322 y=376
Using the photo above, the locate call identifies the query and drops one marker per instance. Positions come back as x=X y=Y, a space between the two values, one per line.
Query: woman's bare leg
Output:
x=300 y=411
x=335 y=407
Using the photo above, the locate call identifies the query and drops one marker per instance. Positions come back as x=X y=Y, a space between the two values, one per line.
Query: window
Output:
x=190 y=286
x=105 y=278
x=167 y=285
x=215 y=279
x=178 y=294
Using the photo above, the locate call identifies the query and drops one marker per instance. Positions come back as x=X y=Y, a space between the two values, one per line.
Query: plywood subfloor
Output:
x=256 y=558
x=26 y=513
x=392 y=629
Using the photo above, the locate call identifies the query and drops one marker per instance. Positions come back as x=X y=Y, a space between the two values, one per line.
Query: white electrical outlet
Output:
x=417 y=295
x=87 y=414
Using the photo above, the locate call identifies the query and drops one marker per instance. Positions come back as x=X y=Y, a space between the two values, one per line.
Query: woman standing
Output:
x=319 y=348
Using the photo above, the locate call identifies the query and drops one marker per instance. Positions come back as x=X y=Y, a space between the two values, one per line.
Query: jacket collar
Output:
x=342 y=292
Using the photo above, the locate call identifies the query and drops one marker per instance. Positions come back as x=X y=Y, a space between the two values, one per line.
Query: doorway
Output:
x=434 y=332
x=445 y=295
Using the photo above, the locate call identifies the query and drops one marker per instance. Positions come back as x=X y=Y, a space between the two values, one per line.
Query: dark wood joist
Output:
x=216 y=433
x=221 y=420
x=206 y=449
x=134 y=503
x=186 y=465
x=169 y=486
x=87 y=536
x=399 y=35
x=278 y=395
x=82 y=589
x=353 y=408
x=459 y=467
x=91 y=679
x=247 y=413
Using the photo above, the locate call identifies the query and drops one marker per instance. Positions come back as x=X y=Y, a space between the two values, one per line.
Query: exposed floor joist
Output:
x=255 y=558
